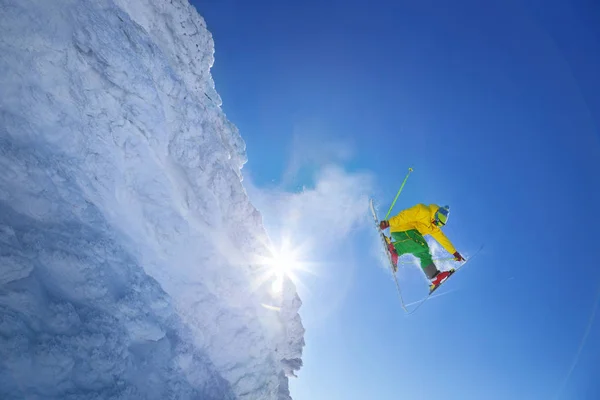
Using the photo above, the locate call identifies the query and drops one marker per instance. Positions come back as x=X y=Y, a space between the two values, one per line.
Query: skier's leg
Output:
x=427 y=263
x=429 y=268
x=402 y=243
x=421 y=251
x=408 y=242
x=414 y=243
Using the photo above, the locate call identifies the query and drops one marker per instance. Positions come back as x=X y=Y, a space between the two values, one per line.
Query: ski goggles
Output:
x=441 y=216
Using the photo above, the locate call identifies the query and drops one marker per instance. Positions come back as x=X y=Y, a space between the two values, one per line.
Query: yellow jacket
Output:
x=421 y=217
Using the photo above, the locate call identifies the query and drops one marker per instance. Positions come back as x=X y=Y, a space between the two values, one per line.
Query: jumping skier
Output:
x=407 y=229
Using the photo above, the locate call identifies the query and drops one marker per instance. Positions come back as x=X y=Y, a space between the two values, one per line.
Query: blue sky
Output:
x=496 y=106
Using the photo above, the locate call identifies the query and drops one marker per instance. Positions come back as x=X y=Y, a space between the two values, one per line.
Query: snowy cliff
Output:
x=129 y=251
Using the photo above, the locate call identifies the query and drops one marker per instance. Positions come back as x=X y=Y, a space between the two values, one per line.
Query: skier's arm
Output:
x=444 y=241
x=407 y=218
x=396 y=220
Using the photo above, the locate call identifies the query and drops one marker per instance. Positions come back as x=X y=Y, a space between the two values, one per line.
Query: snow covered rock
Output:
x=128 y=245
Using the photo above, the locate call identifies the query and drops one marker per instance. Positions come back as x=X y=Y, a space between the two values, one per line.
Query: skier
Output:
x=407 y=229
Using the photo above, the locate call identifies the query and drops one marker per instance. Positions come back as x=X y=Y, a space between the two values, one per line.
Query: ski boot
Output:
x=393 y=253
x=439 y=278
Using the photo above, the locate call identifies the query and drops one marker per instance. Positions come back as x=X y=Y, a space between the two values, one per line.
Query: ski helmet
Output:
x=441 y=215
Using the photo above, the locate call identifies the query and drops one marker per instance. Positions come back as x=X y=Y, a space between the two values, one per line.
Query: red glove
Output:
x=458 y=257
x=384 y=224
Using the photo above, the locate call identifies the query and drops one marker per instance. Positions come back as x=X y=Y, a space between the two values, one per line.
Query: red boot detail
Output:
x=440 y=277
x=393 y=254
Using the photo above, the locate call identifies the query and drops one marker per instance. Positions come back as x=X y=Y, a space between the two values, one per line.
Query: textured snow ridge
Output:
x=128 y=245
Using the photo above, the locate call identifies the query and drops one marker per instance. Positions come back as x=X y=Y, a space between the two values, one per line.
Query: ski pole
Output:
x=398 y=194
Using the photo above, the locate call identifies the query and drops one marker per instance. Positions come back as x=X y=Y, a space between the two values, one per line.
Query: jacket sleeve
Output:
x=443 y=240
x=406 y=219
x=397 y=220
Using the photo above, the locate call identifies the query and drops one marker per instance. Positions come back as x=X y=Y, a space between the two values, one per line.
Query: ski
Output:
x=385 y=241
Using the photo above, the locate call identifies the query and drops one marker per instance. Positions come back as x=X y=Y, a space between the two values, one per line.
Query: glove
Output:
x=384 y=224
x=458 y=257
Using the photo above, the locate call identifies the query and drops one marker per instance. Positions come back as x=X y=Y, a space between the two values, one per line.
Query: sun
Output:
x=283 y=265
x=285 y=261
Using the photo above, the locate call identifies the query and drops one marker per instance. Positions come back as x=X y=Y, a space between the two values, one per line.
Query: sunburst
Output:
x=285 y=261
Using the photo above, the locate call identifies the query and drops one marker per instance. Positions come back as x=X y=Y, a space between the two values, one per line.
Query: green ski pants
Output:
x=412 y=242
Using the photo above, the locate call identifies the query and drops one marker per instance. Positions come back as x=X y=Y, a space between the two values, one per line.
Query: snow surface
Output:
x=128 y=245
